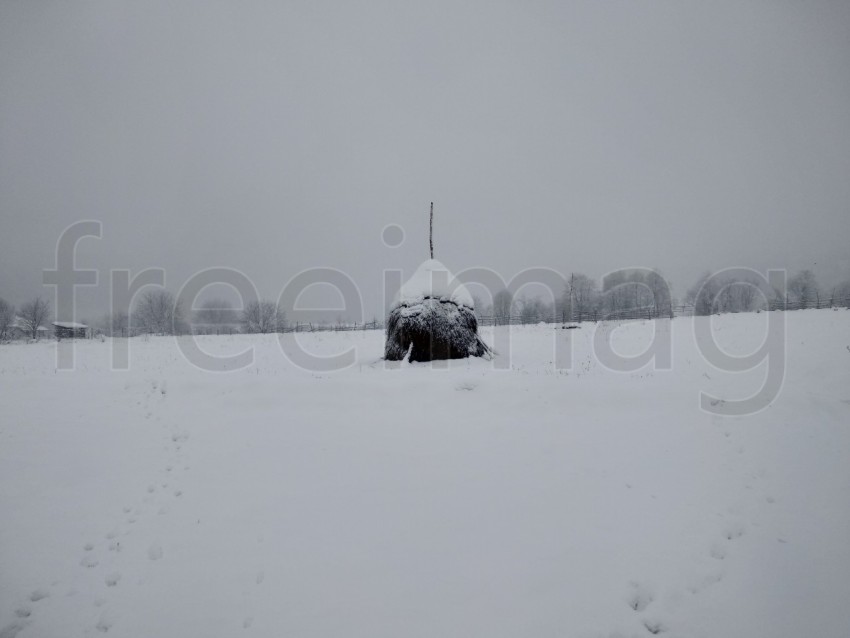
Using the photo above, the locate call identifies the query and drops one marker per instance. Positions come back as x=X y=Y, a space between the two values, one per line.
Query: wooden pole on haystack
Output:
x=431 y=231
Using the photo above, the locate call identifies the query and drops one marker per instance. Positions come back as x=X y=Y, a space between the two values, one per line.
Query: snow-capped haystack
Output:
x=432 y=280
x=433 y=317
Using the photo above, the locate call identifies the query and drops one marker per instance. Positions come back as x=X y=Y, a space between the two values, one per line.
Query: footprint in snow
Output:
x=261 y=576
x=39 y=594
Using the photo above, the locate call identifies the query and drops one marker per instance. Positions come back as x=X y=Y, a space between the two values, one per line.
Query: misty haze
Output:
x=437 y=319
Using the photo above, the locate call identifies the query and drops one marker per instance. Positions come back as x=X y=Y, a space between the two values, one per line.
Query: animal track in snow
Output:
x=112 y=579
x=654 y=626
x=261 y=576
x=89 y=561
x=23 y=612
x=641 y=597
x=39 y=594
x=733 y=531
x=106 y=621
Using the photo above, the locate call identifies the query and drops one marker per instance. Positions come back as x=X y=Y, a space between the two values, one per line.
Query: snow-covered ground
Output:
x=463 y=502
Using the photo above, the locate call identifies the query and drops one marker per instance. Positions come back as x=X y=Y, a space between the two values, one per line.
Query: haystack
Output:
x=433 y=318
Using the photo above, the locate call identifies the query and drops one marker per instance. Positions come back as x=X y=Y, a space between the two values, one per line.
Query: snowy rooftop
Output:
x=433 y=280
x=23 y=325
x=69 y=324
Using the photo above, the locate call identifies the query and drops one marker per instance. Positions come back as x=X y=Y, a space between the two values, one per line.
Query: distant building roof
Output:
x=69 y=324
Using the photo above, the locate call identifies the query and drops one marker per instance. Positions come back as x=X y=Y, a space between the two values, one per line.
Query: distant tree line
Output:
x=641 y=293
x=159 y=312
x=633 y=293
x=711 y=295
x=622 y=294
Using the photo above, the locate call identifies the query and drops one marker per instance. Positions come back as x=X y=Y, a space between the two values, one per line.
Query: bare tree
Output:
x=34 y=314
x=704 y=295
x=660 y=291
x=841 y=295
x=778 y=299
x=615 y=292
x=478 y=306
x=527 y=309
x=730 y=294
x=502 y=304
x=158 y=312
x=534 y=310
x=7 y=317
x=745 y=294
x=803 y=288
x=263 y=316
x=582 y=293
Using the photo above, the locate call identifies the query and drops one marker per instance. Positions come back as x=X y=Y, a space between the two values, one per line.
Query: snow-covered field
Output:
x=463 y=502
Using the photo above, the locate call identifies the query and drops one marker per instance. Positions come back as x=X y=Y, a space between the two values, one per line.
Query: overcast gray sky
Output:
x=277 y=136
